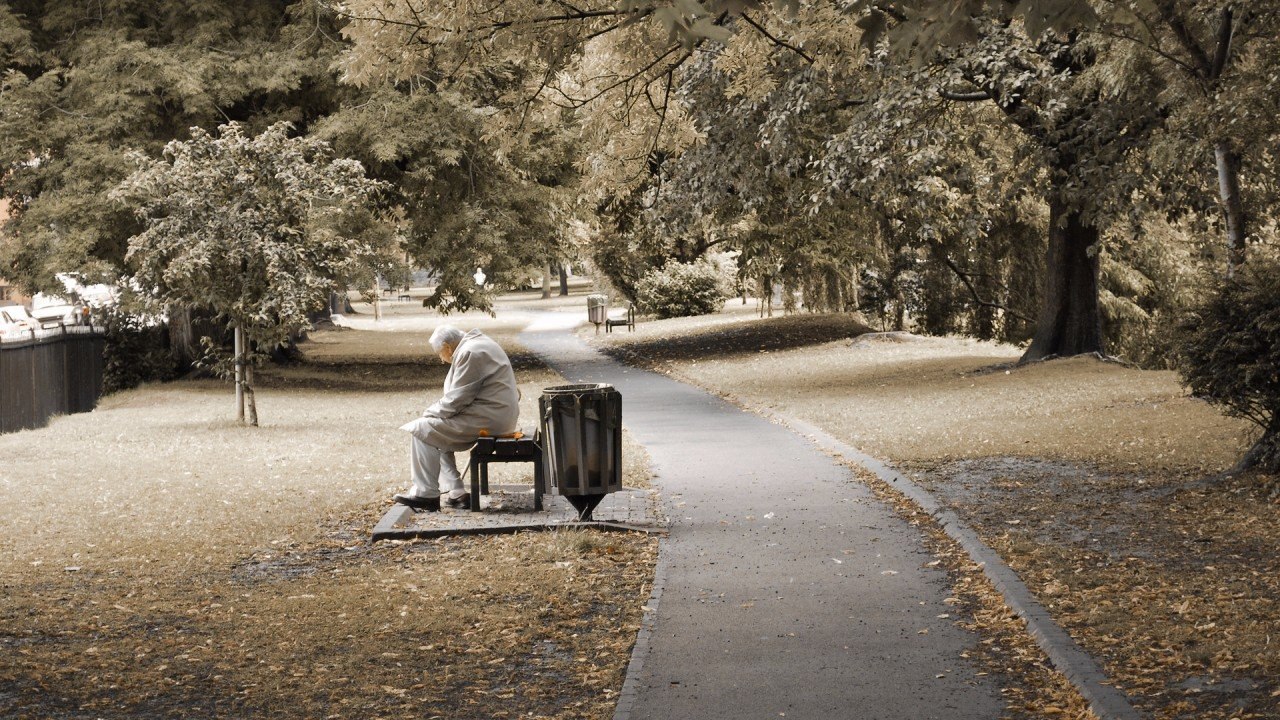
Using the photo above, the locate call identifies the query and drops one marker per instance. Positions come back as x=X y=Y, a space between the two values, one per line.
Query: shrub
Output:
x=135 y=352
x=1230 y=354
x=680 y=289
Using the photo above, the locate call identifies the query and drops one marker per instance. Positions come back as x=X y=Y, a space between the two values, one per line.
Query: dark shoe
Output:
x=462 y=502
x=418 y=503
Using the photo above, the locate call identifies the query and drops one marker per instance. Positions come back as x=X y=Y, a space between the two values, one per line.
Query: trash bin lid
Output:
x=579 y=389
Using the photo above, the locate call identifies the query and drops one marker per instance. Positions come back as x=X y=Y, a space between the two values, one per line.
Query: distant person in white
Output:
x=480 y=397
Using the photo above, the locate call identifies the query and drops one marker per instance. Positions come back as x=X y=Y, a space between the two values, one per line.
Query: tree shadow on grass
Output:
x=362 y=375
x=742 y=338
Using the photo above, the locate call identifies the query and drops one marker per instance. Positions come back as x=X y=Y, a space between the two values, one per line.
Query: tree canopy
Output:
x=257 y=230
x=1061 y=173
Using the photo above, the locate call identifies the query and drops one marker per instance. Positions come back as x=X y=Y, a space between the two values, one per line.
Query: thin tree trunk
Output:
x=546 y=281
x=855 y=292
x=1264 y=455
x=239 y=373
x=1070 y=320
x=564 y=280
x=249 y=395
x=1228 y=163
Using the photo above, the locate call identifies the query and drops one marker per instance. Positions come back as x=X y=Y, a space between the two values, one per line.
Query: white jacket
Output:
x=479 y=394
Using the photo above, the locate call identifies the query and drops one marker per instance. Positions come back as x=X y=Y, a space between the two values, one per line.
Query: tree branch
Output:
x=587 y=15
x=1169 y=13
x=957 y=96
x=776 y=41
x=973 y=291
x=1226 y=27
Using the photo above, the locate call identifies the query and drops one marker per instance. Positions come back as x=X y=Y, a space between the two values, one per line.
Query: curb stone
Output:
x=640 y=650
x=1105 y=700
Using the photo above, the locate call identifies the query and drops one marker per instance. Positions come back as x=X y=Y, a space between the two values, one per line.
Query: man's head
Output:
x=445 y=340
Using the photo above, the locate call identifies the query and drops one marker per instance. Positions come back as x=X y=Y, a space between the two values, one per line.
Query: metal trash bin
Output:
x=597 y=310
x=581 y=429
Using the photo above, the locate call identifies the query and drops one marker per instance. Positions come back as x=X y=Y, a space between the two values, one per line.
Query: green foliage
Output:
x=84 y=81
x=681 y=289
x=136 y=351
x=1150 y=278
x=256 y=230
x=463 y=206
x=1230 y=352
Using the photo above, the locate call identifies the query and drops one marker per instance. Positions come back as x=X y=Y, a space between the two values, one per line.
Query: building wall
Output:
x=10 y=295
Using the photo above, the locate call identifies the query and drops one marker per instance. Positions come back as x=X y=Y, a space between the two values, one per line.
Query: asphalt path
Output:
x=786 y=588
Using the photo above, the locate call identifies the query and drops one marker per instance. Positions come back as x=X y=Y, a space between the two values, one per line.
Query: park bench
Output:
x=505 y=448
x=627 y=320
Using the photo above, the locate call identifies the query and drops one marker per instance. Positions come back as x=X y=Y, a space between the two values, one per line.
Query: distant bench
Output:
x=627 y=320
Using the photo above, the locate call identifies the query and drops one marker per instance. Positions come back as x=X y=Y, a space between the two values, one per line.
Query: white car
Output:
x=15 y=319
x=52 y=311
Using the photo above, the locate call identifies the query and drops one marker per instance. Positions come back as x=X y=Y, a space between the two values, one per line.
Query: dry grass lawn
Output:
x=161 y=561
x=1096 y=482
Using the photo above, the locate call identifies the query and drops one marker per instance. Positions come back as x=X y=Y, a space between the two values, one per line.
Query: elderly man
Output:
x=480 y=397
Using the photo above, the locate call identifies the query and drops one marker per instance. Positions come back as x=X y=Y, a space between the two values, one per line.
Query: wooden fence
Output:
x=46 y=373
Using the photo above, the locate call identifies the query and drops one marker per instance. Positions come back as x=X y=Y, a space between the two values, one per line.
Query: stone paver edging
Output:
x=1105 y=700
x=628 y=510
x=640 y=649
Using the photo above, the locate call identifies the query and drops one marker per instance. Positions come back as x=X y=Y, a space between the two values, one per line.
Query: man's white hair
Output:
x=445 y=335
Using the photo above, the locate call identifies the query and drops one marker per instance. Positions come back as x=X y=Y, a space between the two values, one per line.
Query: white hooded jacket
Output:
x=479 y=395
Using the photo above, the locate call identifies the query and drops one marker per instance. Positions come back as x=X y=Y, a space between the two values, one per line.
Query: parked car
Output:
x=15 y=319
x=51 y=311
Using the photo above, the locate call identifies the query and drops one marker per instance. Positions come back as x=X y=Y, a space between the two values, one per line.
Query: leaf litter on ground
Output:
x=1100 y=484
x=226 y=571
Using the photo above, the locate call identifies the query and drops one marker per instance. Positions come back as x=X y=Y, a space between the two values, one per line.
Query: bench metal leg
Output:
x=475 y=484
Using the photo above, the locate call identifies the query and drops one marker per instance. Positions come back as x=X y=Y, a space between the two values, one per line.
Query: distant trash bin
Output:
x=597 y=310
x=582 y=442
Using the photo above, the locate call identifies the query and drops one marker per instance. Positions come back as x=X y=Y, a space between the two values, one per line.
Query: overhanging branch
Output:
x=776 y=41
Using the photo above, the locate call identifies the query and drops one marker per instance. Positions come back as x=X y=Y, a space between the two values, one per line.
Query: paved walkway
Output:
x=787 y=588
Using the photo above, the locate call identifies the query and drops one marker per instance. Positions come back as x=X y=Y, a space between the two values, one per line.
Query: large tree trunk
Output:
x=182 y=338
x=546 y=281
x=564 y=280
x=1228 y=163
x=1070 y=320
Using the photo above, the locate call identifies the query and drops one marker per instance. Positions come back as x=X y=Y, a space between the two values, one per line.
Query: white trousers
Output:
x=434 y=471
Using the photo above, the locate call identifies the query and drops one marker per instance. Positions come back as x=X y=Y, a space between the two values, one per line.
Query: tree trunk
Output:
x=248 y=394
x=1070 y=320
x=1228 y=163
x=564 y=280
x=239 y=373
x=182 y=337
x=340 y=303
x=853 y=302
x=546 y=281
x=1265 y=453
